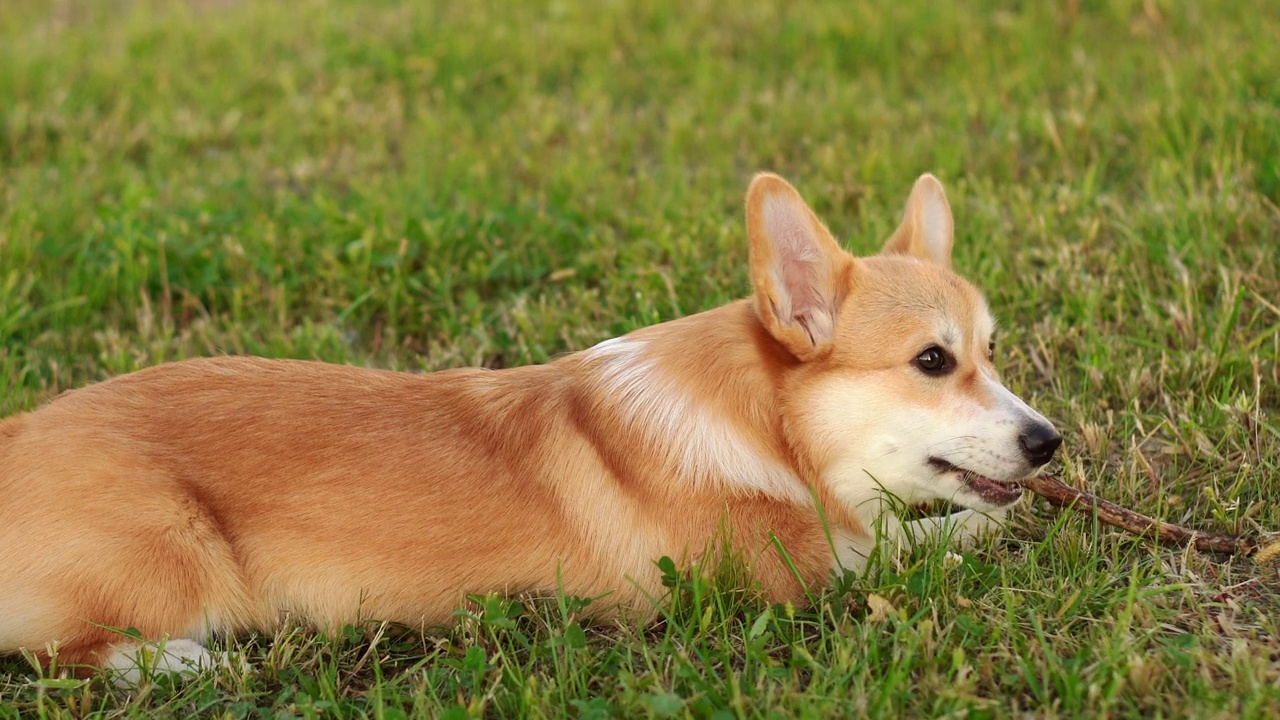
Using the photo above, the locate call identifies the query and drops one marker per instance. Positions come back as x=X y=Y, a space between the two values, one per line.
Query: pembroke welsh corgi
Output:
x=223 y=494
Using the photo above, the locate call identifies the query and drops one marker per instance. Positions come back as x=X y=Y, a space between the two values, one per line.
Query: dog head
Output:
x=893 y=390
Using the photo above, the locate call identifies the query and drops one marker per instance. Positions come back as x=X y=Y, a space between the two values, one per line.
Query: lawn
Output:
x=425 y=186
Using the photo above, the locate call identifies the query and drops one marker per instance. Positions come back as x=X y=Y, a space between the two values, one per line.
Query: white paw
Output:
x=130 y=663
x=964 y=528
x=960 y=529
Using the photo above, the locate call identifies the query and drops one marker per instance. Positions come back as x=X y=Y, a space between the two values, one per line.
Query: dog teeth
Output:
x=969 y=476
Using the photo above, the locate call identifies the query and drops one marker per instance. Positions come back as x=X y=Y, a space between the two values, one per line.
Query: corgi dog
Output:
x=221 y=495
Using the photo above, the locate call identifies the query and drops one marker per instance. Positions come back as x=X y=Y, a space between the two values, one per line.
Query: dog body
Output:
x=224 y=494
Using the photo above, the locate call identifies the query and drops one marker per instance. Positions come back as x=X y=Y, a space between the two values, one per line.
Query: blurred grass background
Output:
x=421 y=186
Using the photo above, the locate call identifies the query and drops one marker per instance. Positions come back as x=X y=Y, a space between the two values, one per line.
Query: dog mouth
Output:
x=996 y=492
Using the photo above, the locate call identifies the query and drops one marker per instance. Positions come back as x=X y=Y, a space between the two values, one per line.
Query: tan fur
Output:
x=222 y=494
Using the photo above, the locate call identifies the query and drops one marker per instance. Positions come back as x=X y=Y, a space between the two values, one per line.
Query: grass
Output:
x=428 y=186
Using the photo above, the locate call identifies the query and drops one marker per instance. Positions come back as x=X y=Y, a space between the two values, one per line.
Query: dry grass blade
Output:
x=1065 y=496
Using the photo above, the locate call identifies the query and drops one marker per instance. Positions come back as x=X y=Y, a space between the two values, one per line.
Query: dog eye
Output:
x=991 y=350
x=933 y=361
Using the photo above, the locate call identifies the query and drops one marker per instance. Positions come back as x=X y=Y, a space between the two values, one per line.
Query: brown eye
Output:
x=933 y=361
x=991 y=350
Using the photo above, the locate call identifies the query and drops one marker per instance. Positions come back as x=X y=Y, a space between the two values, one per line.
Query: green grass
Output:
x=483 y=182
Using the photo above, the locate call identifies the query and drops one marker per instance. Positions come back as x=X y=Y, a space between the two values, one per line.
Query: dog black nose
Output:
x=1039 y=443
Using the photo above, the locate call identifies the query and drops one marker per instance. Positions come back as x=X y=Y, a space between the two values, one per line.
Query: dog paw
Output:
x=965 y=531
x=131 y=663
x=961 y=529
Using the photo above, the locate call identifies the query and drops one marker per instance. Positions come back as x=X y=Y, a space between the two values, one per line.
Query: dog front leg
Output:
x=962 y=529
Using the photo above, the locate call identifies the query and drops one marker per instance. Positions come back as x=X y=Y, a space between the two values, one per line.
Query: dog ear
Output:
x=926 y=231
x=797 y=268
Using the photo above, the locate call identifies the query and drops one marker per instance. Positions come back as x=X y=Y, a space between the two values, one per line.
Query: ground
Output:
x=432 y=185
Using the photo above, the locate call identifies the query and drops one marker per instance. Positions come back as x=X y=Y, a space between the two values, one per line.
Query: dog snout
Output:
x=1039 y=443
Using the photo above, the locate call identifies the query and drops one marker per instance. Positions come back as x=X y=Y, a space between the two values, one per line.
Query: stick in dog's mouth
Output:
x=1064 y=496
x=996 y=492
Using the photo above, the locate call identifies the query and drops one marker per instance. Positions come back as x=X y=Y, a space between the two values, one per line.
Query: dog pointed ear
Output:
x=926 y=231
x=797 y=268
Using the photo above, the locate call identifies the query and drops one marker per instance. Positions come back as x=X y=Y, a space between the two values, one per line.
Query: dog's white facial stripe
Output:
x=1011 y=403
x=949 y=332
x=950 y=335
x=700 y=445
x=986 y=323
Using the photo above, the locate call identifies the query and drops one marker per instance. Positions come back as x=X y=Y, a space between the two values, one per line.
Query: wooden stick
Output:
x=1064 y=496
